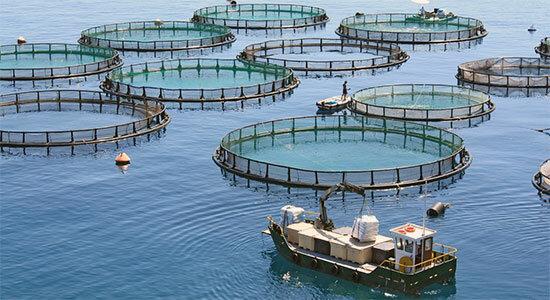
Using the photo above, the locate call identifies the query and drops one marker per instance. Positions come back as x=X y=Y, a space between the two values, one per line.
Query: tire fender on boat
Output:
x=356 y=276
x=315 y=263
x=335 y=269
x=296 y=258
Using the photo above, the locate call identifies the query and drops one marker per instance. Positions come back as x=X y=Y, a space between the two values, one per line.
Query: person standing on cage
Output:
x=345 y=91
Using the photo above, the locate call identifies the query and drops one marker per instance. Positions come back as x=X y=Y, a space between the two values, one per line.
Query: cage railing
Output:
x=386 y=54
x=110 y=59
x=457 y=160
x=479 y=72
x=285 y=82
x=483 y=103
x=475 y=29
x=151 y=115
x=222 y=35
x=317 y=16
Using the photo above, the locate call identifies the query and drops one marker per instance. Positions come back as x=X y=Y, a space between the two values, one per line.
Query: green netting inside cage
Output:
x=507 y=76
x=322 y=151
x=326 y=55
x=409 y=29
x=69 y=118
x=157 y=36
x=51 y=61
x=261 y=16
x=422 y=102
x=200 y=80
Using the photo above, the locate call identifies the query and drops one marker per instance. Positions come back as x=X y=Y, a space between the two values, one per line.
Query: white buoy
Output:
x=21 y=40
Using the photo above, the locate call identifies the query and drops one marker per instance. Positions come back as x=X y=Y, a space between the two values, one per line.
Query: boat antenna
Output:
x=424 y=215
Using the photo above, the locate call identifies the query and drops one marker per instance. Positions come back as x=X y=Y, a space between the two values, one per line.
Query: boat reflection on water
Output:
x=286 y=273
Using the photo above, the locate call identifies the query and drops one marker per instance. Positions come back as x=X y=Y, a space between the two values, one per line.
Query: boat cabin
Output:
x=413 y=245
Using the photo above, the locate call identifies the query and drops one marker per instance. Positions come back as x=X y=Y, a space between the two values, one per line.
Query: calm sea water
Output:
x=173 y=227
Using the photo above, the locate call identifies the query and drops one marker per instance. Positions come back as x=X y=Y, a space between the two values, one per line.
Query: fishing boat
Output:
x=333 y=103
x=437 y=16
x=407 y=261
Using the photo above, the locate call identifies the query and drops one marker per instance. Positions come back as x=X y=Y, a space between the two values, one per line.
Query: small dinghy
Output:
x=334 y=103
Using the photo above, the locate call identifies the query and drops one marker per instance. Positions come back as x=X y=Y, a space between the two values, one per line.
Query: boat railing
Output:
x=442 y=253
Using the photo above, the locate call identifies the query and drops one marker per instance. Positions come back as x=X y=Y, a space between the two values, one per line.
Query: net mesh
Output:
x=285 y=81
x=473 y=29
x=214 y=36
x=507 y=76
x=449 y=147
x=19 y=55
x=305 y=16
x=404 y=95
x=386 y=55
x=151 y=118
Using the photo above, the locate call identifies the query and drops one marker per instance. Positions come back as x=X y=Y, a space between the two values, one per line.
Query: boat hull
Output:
x=381 y=277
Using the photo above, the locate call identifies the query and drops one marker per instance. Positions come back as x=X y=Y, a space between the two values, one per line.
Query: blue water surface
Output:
x=173 y=227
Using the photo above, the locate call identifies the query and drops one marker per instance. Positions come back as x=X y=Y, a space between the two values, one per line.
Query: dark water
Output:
x=173 y=227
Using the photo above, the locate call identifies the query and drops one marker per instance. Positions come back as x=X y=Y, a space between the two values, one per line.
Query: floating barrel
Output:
x=437 y=209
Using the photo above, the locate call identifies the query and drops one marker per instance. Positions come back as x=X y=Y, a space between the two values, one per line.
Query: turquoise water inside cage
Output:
x=325 y=55
x=330 y=153
x=172 y=227
x=260 y=15
x=46 y=60
x=191 y=79
x=421 y=100
x=148 y=35
x=408 y=27
x=60 y=120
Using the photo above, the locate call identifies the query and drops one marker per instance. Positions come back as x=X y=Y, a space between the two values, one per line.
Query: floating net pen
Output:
x=294 y=54
x=507 y=76
x=202 y=82
x=423 y=102
x=404 y=28
x=321 y=151
x=147 y=118
x=262 y=16
x=543 y=49
x=157 y=36
x=29 y=62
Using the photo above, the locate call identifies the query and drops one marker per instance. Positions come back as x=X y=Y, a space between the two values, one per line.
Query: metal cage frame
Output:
x=388 y=55
x=203 y=98
x=484 y=105
x=152 y=118
x=475 y=31
x=375 y=179
x=224 y=37
x=320 y=17
x=112 y=61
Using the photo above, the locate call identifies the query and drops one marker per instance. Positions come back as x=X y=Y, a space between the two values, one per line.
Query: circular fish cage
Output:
x=321 y=151
x=201 y=82
x=157 y=36
x=54 y=61
x=262 y=16
x=423 y=102
x=293 y=54
x=507 y=76
x=142 y=118
x=402 y=28
x=543 y=49
x=541 y=180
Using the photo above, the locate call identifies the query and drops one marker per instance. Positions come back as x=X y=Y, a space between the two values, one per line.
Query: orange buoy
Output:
x=122 y=159
x=409 y=229
x=402 y=231
x=21 y=40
